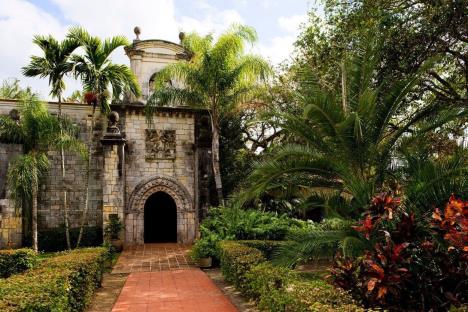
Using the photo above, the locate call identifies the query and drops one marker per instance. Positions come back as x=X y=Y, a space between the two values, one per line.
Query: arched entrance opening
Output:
x=160 y=225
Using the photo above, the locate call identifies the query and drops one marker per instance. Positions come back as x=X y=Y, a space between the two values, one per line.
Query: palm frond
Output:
x=316 y=242
x=24 y=172
x=10 y=131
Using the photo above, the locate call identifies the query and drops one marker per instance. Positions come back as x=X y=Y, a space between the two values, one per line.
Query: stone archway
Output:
x=134 y=214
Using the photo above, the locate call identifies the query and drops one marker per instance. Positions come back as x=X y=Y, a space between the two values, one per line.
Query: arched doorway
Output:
x=160 y=219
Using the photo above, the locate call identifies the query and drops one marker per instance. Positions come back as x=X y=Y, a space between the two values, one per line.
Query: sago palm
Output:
x=218 y=76
x=344 y=143
x=54 y=64
x=102 y=81
x=36 y=131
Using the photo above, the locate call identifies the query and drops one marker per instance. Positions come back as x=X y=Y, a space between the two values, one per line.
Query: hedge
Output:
x=14 y=261
x=276 y=288
x=236 y=260
x=65 y=282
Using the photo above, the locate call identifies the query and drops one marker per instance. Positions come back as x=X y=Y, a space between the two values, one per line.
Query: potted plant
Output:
x=112 y=232
x=203 y=251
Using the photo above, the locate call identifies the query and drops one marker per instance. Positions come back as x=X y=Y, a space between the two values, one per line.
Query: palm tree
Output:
x=54 y=64
x=100 y=78
x=11 y=89
x=217 y=77
x=37 y=131
x=343 y=145
x=346 y=149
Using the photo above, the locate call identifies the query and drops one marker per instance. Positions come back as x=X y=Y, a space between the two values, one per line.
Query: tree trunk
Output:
x=215 y=158
x=344 y=92
x=88 y=166
x=62 y=160
x=34 y=217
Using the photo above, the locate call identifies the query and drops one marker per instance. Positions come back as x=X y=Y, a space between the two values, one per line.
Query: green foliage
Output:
x=24 y=174
x=96 y=71
x=65 y=282
x=16 y=261
x=36 y=131
x=234 y=223
x=268 y=283
x=236 y=160
x=54 y=240
x=267 y=247
x=405 y=29
x=113 y=227
x=429 y=182
x=319 y=241
x=281 y=289
x=206 y=247
x=11 y=89
x=217 y=76
x=236 y=260
x=55 y=63
x=276 y=288
x=344 y=142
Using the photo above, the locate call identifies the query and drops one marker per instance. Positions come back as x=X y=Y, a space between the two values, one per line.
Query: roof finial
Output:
x=137 y=32
x=181 y=36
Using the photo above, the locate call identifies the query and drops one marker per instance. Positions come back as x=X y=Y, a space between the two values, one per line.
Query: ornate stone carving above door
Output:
x=160 y=144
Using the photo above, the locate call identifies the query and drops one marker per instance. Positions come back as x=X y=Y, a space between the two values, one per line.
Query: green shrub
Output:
x=234 y=223
x=319 y=296
x=277 y=288
x=236 y=261
x=267 y=247
x=281 y=289
x=52 y=240
x=268 y=284
x=16 y=261
x=205 y=247
x=65 y=282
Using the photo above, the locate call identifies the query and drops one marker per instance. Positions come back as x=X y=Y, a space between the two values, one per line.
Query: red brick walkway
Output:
x=162 y=278
x=189 y=290
x=154 y=257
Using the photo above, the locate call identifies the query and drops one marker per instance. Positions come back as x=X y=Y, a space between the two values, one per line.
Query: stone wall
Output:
x=139 y=166
x=161 y=153
x=10 y=218
x=50 y=213
x=163 y=156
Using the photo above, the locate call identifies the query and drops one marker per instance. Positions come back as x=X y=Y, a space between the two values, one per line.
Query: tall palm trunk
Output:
x=62 y=160
x=34 y=216
x=88 y=166
x=215 y=158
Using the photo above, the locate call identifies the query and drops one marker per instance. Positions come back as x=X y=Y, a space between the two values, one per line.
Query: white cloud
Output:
x=19 y=22
x=213 y=22
x=292 y=23
x=277 y=49
x=280 y=48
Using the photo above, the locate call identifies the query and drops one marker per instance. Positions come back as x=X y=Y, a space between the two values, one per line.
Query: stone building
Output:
x=154 y=176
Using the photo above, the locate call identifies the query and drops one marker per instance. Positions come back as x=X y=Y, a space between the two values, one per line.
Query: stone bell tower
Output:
x=147 y=57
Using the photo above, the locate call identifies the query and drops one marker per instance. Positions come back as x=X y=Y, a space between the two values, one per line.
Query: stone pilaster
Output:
x=113 y=187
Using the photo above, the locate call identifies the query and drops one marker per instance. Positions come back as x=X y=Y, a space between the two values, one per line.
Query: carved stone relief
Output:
x=160 y=144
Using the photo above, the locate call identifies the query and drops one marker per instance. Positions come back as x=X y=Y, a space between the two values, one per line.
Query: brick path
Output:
x=162 y=278
x=153 y=258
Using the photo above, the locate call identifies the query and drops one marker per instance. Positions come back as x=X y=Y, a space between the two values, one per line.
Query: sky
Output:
x=277 y=23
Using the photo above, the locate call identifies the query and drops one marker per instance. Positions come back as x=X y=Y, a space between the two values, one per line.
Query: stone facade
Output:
x=131 y=160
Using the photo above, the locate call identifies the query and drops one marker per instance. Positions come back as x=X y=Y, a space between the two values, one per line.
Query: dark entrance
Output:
x=160 y=219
